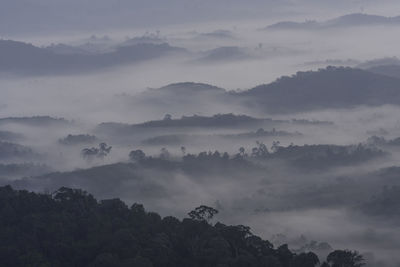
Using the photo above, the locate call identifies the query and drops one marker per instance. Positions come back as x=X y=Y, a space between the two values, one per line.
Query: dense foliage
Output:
x=71 y=228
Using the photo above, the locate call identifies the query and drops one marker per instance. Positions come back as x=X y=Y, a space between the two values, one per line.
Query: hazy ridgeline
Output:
x=282 y=116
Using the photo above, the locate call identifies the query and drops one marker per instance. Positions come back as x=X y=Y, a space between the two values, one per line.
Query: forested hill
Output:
x=331 y=87
x=23 y=58
x=326 y=88
x=71 y=228
x=346 y=21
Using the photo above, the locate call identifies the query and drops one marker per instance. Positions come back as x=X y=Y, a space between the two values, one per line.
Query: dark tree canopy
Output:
x=137 y=155
x=96 y=152
x=202 y=213
x=345 y=258
x=71 y=228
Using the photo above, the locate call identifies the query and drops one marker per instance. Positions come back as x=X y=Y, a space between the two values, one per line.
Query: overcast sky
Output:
x=52 y=16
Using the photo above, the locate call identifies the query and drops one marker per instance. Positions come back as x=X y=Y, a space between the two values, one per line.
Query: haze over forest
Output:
x=277 y=115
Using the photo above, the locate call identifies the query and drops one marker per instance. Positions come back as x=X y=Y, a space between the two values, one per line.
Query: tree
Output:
x=183 y=150
x=202 y=213
x=275 y=146
x=345 y=258
x=242 y=151
x=260 y=151
x=102 y=151
x=164 y=153
x=305 y=260
x=167 y=117
x=71 y=228
x=137 y=155
x=89 y=153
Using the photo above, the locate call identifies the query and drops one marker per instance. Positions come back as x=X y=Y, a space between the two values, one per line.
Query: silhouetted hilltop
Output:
x=326 y=88
x=226 y=53
x=384 y=203
x=360 y=19
x=145 y=39
x=186 y=139
x=107 y=179
x=388 y=70
x=64 y=49
x=11 y=151
x=291 y=25
x=178 y=97
x=382 y=142
x=311 y=157
x=78 y=139
x=189 y=88
x=18 y=170
x=386 y=61
x=195 y=121
x=332 y=87
x=35 y=121
x=350 y=20
x=9 y=136
x=218 y=120
x=219 y=34
x=19 y=57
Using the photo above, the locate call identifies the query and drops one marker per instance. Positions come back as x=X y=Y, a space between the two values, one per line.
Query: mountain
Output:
x=388 y=70
x=11 y=151
x=326 y=88
x=379 y=62
x=186 y=139
x=18 y=170
x=179 y=99
x=225 y=53
x=179 y=95
x=19 y=57
x=218 y=121
x=332 y=87
x=189 y=87
x=64 y=49
x=218 y=34
x=9 y=136
x=350 y=20
x=145 y=39
x=38 y=121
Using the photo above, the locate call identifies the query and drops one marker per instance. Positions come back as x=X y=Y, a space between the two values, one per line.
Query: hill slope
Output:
x=326 y=88
x=19 y=57
x=350 y=20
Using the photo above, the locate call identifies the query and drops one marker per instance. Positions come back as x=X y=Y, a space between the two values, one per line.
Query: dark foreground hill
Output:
x=71 y=228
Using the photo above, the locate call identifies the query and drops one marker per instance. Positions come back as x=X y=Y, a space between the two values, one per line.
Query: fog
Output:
x=199 y=77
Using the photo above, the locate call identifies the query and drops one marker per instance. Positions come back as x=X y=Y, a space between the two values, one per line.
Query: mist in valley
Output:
x=282 y=115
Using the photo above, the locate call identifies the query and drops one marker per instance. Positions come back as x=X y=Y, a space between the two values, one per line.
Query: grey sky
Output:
x=45 y=16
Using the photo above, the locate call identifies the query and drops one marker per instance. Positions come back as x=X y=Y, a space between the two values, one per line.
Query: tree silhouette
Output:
x=137 y=155
x=345 y=258
x=202 y=213
x=96 y=152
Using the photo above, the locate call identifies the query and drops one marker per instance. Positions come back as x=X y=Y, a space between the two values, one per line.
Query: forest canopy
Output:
x=69 y=227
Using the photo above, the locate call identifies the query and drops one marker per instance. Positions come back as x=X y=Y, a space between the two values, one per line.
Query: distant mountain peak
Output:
x=332 y=87
x=190 y=86
x=348 y=20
